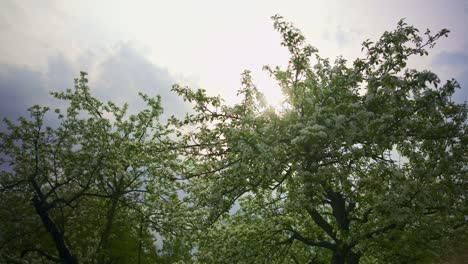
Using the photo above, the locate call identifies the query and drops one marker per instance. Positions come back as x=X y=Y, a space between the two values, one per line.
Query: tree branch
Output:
x=311 y=242
x=322 y=223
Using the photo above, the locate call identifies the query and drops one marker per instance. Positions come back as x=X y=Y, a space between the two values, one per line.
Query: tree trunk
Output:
x=103 y=244
x=349 y=257
x=353 y=258
x=140 y=238
x=337 y=258
x=55 y=232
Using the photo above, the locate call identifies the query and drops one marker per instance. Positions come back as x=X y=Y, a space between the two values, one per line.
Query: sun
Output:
x=270 y=89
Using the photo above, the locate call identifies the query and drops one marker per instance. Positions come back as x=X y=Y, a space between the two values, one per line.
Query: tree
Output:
x=365 y=162
x=94 y=188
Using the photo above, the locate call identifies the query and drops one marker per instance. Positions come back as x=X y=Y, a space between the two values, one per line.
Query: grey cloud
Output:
x=461 y=95
x=117 y=77
x=11 y=8
x=341 y=36
x=4 y=25
x=20 y=88
x=459 y=62
x=451 y=58
x=60 y=73
x=127 y=72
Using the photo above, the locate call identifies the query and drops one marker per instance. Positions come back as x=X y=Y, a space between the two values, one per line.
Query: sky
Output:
x=146 y=46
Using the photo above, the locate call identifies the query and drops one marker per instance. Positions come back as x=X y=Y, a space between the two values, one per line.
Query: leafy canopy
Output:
x=366 y=161
x=100 y=182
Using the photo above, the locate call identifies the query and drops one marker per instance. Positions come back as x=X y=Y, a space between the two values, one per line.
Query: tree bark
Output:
x=337 y=258
x=57 y=234
x=140 y=238
x=340 y=210
x=103 y=244
x=345 y=256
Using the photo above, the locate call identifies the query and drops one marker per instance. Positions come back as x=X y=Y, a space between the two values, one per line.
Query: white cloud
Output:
x=210 y=42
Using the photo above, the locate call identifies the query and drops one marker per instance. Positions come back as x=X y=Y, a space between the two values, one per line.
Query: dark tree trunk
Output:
x=349 y=257
x=337 y=258
x=140 y=240
x=353 y=258
x=56 y=234
x=103 y=244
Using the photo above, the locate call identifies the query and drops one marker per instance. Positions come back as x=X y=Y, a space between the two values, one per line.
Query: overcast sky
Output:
x=131 y=46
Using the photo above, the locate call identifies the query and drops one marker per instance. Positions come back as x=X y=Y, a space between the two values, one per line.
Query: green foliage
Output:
x=365 y=162
x=94 y=179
